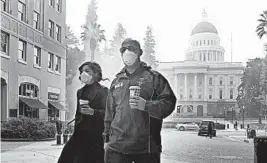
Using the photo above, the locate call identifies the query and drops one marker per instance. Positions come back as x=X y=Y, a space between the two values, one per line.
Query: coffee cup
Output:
x=135 y=91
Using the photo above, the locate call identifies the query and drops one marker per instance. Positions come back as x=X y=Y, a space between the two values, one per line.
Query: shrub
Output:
x=24 y=127
x=219 y=126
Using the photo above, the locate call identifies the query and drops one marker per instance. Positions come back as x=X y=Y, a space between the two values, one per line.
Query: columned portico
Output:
x=195 y=86
x=205 y=86
x=176 y=84
x=185 y=86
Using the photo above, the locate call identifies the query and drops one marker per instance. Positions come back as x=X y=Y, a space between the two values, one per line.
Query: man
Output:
x=133 y=124
x=58 y=126
x=210 y=130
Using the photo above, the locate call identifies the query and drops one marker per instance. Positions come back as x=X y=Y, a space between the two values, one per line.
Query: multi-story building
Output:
x=205 y=85
x=33 y=58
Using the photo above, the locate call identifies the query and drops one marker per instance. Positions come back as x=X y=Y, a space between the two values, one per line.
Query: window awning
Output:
x=57 y=105
x=33 y=103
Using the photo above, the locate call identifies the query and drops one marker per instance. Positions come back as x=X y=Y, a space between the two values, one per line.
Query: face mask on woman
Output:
x=129 y=58
x=86 y=78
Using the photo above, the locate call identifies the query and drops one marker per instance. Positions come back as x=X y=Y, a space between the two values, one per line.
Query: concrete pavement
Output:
x=41 y=152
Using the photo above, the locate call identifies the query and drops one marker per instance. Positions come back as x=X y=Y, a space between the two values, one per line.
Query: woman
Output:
x=86 y=143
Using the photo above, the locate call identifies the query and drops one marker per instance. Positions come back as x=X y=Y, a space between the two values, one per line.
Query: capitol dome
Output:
x=204 y=43
x=204 y=27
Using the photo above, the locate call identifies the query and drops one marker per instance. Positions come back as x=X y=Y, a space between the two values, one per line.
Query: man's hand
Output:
x=137 y=102
x=87 y=110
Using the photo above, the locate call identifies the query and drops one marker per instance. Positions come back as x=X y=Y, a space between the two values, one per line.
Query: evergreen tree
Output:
x=149 y=48
x=117 y=40
x=112 y=62
x=250 y=89
x=71 y=40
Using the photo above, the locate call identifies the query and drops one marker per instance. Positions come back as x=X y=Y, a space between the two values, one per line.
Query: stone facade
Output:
x=19 y=72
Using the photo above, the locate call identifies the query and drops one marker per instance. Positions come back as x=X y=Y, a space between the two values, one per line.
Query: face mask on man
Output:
x=129 y=58
x=86 y=78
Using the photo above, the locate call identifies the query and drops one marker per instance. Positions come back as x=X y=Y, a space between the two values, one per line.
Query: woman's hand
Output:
x=85 y=109
x=105 y=145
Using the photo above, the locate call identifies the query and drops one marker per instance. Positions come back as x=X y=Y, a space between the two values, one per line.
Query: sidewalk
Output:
x=43 y=152
x=243 y=138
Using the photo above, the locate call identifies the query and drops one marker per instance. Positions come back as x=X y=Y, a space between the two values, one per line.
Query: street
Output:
x=188 y=147
x=178 y=147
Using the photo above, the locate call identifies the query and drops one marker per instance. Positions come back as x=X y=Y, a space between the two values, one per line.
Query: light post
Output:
x=232 y=114
x=224 y=115
x=243 y=116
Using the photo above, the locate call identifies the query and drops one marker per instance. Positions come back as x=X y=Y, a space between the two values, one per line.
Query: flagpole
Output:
x=231 y=48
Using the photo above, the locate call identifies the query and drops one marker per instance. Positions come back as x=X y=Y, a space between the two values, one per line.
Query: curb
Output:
x=28 y=140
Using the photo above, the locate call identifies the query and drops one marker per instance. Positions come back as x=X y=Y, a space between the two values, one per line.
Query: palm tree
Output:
x=262 y=27
x=95 y=34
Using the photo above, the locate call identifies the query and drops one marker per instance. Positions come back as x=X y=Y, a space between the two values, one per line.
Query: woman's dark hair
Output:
x=96 y=68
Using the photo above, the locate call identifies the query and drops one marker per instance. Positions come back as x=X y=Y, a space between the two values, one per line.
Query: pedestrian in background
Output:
x=138 y=100
x=58 y=126
x=210 y=130
x=86 y=143
x=236 y=125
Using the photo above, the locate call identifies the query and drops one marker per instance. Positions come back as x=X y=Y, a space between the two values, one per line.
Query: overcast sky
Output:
x=173 y=21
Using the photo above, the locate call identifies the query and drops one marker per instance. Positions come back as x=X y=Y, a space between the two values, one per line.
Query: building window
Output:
x=199 y=82
x=22 y=10
x=58 y=33
x=208 y=42
x=57 y=64
x=231 y=80
x=58 y=5
x=22 y=50
x=204 y=42
x=37 y=56
x=209 y=56
x=200 y=95
x=231 y=94
x=200 y=43
x=211 y=42
x=50 y=61
x=221 y=93
x=221 y=80
x=181 y=94
x=26 y=111
x=190 y=94
x=51 y=28
x=28 y=90
x=36 y=20
x=4 y=43
x=210 y=93
x=31 y=91
x=4 y=5
x=210 y=81
x=51 y=3
x=197 y=43
x=37 y=6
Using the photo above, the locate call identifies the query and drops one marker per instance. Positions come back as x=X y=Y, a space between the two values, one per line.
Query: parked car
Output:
x=203 y=128
x=182 y=126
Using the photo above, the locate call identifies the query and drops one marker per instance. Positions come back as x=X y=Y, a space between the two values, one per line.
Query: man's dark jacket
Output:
x=131 y=130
